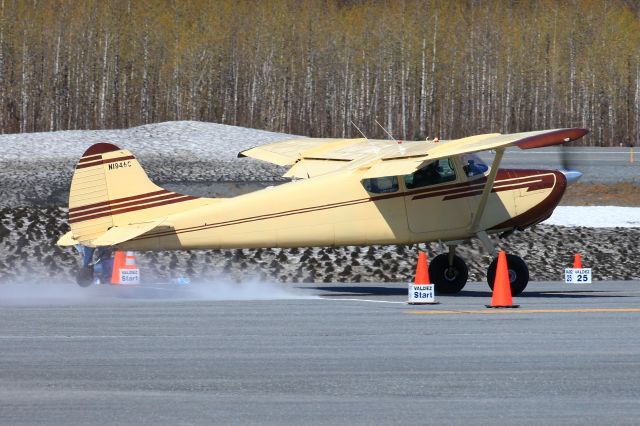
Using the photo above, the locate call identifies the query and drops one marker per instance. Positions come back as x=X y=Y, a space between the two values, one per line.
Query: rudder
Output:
x=109 y=188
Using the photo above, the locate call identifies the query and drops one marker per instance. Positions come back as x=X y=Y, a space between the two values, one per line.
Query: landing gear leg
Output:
x=84 y=276
x=518 y=273
x=448 y=272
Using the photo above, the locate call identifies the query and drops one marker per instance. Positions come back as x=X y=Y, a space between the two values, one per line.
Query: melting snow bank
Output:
x=194 y=139
x=186 y=152
x=596 y=216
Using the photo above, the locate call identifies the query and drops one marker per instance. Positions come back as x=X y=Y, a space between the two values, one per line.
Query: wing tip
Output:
x=554 y=137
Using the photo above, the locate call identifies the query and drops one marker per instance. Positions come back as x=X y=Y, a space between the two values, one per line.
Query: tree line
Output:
x=312 y=67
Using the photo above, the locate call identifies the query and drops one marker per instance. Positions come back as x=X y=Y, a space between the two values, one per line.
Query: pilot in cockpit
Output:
x=473 y=165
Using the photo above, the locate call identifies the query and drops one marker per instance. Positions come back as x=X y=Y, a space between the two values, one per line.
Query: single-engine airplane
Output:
x=343 y=192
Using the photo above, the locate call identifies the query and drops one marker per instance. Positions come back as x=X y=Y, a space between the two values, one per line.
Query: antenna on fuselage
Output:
x=358 y=129
x=385 y=130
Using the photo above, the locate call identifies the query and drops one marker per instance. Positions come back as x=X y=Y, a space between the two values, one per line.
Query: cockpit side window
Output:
x=473 y=165
x=436 y=172
x=381 y=185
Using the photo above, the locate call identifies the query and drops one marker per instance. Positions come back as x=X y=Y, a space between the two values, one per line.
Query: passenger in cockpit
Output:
x=473 y=165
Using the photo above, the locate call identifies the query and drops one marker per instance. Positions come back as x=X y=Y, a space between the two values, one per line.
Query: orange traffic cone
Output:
x=130 y=261
x=577 y=261
x=422 y=270
x=118 y=263
x=421 y=292
x=501 y=287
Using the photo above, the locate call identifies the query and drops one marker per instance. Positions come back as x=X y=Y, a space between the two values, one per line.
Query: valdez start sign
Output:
x=421 y=294
x=577 y=275
x=130 y=276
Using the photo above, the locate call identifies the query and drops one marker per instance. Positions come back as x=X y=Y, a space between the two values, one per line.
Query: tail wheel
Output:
x=448 y=279
x=518 y=273
x=84 y=277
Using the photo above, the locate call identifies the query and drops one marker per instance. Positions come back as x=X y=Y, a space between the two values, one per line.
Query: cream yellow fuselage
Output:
x=336 y=209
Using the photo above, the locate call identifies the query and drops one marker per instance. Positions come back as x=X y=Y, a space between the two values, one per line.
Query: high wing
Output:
x=312 y=157
x=288 y=152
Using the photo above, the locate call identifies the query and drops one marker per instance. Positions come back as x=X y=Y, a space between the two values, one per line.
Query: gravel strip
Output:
x=28 y=236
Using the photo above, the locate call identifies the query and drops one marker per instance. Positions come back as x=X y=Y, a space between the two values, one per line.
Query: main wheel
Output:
x=518 y=274
x=448 y=279
x=84 y=277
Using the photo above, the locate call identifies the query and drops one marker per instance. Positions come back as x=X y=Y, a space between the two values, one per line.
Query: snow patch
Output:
x=595 y=216
x=194 y=139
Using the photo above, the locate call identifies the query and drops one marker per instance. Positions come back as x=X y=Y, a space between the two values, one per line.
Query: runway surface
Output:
x=598 y=165
x=319 y=354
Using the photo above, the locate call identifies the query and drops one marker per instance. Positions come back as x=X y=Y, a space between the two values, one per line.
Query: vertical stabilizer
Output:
x=110 y=188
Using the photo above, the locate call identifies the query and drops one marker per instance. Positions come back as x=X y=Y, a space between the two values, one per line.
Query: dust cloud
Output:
x=36 y=290
x=41 y=291
x=246 y=290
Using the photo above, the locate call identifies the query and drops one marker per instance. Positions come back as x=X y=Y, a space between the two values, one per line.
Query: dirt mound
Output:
x=28 y=237
x=599 y=194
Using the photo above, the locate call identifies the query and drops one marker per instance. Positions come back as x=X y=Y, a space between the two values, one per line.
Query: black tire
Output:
x=518 y=274
x=84 y=277
x=448 y=279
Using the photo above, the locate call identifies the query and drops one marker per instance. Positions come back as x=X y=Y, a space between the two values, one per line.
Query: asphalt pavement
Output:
x=318 y=354
x=598 y=165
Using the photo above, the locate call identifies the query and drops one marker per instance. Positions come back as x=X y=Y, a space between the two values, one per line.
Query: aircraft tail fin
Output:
x=110 y=189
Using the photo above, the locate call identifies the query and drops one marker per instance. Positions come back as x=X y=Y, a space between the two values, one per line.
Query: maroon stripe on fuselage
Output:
x=91 y=164
x=494 y=190
x=540 y=211
x=90 y=158
x=116 y=201
x=274 y=215
x=543 y=182
x=82 y=165
x=467 y=186
x=453 y=189
x=117 y=211
x=111 y=206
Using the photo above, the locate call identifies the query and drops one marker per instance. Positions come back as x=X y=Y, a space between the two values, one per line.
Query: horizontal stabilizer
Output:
x=120 y=234
x=67 y=240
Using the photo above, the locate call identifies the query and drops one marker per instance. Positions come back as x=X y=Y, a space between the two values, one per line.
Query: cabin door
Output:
x=435 y=198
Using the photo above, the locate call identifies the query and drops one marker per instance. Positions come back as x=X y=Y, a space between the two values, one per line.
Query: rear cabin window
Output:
x=381 y=185
x=436 y=172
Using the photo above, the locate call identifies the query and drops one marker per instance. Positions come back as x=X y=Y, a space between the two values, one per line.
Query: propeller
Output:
x=568 y=164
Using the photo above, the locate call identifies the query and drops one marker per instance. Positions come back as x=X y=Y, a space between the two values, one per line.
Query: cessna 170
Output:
x=343 y=192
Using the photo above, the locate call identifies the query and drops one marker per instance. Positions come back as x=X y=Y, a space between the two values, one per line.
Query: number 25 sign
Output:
x=577 y=276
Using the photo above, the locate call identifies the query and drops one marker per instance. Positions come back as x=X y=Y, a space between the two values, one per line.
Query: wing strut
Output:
x=488 y=186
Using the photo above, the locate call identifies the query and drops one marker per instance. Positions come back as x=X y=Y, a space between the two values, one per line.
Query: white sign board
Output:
x=129 y=276
x=577 y=276
x=421 y=294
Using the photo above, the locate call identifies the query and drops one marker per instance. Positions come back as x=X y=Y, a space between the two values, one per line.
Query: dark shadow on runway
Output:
x=575 y=295
x=548 y=294
x=350 y=291
x=362 y=291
